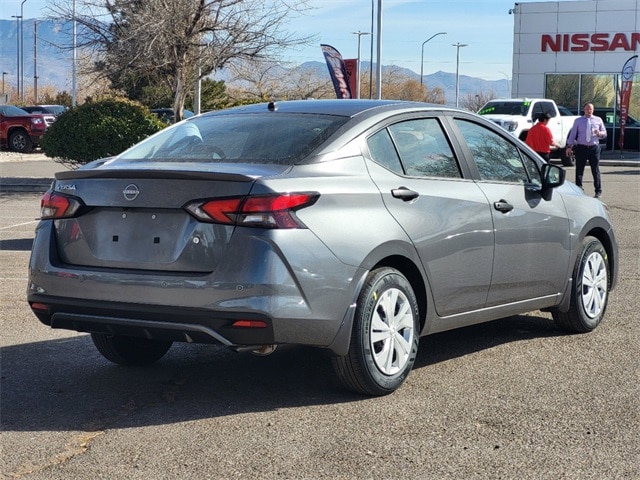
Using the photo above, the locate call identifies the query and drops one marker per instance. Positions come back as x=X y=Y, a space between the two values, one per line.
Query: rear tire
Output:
x=384 y=337
x=130 y=351
x=590 y=289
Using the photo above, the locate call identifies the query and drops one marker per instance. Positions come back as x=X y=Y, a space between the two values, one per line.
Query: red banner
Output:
x=628 y=72
x=351 y=64
x=338 y=71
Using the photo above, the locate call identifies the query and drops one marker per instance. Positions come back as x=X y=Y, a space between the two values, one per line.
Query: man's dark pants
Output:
x=591 y=154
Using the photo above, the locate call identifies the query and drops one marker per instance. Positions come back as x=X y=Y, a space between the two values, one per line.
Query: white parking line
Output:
x=18 y=225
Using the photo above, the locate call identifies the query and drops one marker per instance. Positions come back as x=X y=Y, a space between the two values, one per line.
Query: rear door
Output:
x=532 y=240
x=446 y=216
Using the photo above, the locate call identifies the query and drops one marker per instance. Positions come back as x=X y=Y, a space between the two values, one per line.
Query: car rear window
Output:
x=273 y=138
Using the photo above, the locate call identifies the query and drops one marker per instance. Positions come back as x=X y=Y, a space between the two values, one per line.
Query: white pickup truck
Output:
x=517 y=115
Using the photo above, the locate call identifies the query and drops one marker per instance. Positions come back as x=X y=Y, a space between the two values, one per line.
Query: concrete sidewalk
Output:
x=34 y=172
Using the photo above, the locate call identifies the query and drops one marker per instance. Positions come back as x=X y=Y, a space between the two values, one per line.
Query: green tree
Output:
x=98 y=129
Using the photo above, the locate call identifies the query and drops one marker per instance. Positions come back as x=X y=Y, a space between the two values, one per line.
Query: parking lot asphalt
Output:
x=510 y=399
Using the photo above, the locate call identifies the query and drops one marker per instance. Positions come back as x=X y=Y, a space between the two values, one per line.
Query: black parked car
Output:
x=631 y=130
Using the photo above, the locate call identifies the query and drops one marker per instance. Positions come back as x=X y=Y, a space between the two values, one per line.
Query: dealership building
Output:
x=575 y=51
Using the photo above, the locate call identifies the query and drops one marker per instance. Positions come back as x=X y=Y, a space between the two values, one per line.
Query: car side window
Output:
x=497 y=159
x=532 y=170
x=424 y=149
x=383 y=152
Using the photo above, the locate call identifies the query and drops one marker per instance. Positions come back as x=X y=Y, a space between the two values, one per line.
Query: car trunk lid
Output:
x=136 y=218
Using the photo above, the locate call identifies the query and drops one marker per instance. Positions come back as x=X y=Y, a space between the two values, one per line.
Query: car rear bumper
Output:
x=297 y=305
x=153 y=322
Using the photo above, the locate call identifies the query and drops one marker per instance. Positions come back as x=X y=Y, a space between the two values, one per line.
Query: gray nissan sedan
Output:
x=357 y=226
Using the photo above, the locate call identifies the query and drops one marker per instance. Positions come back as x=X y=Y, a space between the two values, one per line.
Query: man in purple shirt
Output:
x=584 y=141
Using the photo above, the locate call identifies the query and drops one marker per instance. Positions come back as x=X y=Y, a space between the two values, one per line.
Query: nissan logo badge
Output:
x=131 y=192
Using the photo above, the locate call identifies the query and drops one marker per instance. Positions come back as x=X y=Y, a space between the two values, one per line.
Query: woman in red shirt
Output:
x=540 y=138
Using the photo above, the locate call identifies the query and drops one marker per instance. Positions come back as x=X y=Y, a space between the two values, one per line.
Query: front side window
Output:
x=497 y=159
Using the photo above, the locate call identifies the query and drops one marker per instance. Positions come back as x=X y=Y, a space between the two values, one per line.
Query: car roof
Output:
x=342 y=107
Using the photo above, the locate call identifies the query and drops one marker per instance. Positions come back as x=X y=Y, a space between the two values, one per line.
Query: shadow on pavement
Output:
x=17 y=244
x=64 y=385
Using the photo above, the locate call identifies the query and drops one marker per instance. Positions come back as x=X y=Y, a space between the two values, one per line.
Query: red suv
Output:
x=21 y=131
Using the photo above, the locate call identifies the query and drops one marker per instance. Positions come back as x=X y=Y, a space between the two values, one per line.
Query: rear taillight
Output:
x=56 y=205
x=264 y=211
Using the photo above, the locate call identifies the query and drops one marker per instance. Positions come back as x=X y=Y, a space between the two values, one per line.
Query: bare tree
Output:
x=265 y=80
x=474 y=102
x=179 y=41
x=399 y=86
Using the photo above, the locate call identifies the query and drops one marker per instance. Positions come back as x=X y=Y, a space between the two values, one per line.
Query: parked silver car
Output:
x=355 y=226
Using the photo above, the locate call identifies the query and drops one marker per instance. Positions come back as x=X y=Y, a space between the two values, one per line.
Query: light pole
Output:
x=22 y=50
x=35 y=61
x=3 y=74
x=18 y=18
x=371 y=57
x=379 y=53
x=359 y=33
x=74 y=60
x=458 y=45
x=422 y=56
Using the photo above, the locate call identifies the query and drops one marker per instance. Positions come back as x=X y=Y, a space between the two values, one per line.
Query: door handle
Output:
x=404 y=194
x=503 y=206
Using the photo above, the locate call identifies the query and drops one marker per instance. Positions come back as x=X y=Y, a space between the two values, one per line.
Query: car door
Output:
x=446 y=216
x=532 y=240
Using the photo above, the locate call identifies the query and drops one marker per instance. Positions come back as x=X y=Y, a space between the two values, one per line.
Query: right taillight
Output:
x=56 y=205
x=263 y=211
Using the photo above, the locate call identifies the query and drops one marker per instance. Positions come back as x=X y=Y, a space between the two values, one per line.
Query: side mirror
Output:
x=552 y=176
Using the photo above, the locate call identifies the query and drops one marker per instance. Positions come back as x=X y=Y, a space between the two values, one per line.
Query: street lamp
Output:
x=458 y=45
x=22 y=50
x=379 y=52
x=18 y=18
x=359 y=33
x=422 y=56
x=74 y=60
x=3 y=74
x=371 y=57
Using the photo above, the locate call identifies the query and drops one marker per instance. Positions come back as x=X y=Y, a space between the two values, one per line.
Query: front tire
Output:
x=19 y=141
x=130 y=351
x=590 y=289
x=384 y=337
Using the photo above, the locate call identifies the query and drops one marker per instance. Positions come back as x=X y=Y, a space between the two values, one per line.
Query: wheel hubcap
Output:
x=594 y=285
x=19 y=142
x=392 y=331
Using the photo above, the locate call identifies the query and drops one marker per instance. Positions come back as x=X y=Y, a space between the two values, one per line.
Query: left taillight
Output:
x=57 y=205
x=262 y=211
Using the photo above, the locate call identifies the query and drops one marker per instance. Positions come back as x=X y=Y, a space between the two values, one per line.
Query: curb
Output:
x=31 y=185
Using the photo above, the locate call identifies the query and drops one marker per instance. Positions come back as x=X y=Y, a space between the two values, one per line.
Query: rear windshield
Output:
x=269 y=138
x=505 y=108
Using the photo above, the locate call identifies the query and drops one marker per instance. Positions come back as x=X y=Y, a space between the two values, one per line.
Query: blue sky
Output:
x=484 y=25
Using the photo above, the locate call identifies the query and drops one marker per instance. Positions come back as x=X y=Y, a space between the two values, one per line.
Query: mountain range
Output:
x=54 y=58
